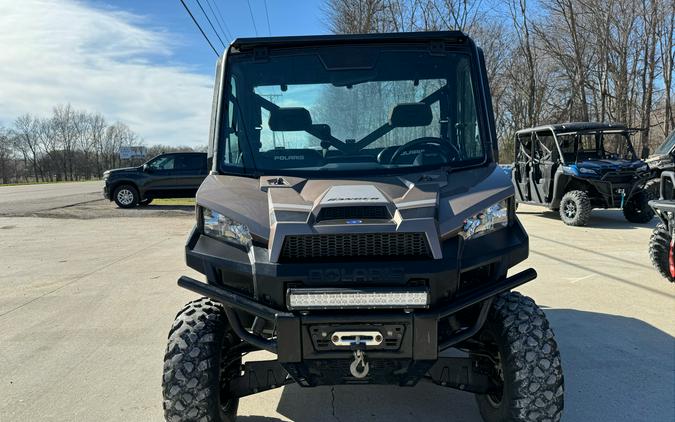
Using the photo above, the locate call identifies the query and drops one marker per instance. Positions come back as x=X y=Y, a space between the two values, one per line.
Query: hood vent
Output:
x=361 y=212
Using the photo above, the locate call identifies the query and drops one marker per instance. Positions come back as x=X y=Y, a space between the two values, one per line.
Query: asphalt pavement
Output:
x=85 y=308
x=24 y=200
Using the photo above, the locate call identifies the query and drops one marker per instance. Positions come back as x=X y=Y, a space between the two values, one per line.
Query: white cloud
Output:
x=54 y=52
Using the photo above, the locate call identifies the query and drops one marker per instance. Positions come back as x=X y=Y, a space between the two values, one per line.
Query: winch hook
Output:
x=359 y=360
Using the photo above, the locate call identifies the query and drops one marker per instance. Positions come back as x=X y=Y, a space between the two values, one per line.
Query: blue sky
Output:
x=142 y=62
x=287 y=17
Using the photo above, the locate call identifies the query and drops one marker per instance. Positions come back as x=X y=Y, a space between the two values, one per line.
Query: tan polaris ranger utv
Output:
x=355 y=223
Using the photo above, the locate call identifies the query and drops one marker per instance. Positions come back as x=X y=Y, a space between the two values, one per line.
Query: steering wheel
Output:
x=443 y=147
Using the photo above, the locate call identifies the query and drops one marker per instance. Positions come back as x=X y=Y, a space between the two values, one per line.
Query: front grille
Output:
x=361 y=212
x=618 y=177
x=356 y=245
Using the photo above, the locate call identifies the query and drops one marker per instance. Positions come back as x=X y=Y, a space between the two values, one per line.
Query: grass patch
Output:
x=47 y=183
x=190 y=202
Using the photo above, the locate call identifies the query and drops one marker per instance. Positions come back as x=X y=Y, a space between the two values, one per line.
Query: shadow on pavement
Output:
x=600 y=219
x=616 y=369
x=165 y=207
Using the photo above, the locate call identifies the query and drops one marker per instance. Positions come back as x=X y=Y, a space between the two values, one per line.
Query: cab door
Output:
x=161 y=179
x=544 y=165
x=521 y=168
x=190 y=170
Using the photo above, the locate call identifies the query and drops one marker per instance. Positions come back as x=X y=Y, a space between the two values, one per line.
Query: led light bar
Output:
x=308 y=299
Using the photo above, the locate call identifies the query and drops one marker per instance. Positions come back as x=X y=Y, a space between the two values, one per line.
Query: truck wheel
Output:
x=659 y=251
x=637 y=209
x=524 y=353
x=653 y=188
x=197 y=366
x=126 y=196
x=575 y=208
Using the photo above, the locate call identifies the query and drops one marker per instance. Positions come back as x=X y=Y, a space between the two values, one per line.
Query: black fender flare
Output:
x=560 y=183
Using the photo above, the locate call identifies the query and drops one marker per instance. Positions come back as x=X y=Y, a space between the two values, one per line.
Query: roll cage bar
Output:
x=534 y=135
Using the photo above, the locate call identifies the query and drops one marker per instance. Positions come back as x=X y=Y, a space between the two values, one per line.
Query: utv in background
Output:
x=358 y=233
x=575 y=167
x=663 y=159
x=661 y=245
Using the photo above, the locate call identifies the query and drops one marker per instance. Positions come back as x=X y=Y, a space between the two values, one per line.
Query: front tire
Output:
x=653 y=188
x=637 y=209
x=659 y=251
x=126 y=196
x=575 y=208
x=198 y=367
x=527 y=367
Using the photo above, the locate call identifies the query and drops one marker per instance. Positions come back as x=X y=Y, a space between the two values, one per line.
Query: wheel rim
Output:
x=495 y=397
x=125 y=197
x=496 y=373
x=570 y=209
x=229 y=366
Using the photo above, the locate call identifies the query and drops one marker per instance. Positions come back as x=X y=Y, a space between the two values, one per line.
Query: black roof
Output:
x=577 y=127
x=456 y=37
x=181 y=152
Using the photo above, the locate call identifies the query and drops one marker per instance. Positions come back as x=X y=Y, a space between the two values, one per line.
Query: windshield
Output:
x=667 y=145
x=351 y=110
x=596 y=146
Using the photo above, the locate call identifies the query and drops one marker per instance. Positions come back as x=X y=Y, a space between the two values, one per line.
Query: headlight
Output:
x=490 y=219
x=587 y=171
x=224 y=228
x=644 y=168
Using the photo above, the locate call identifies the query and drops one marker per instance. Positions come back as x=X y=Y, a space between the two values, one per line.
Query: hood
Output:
x=603 y=166
x=122 y=170
x=435 y=203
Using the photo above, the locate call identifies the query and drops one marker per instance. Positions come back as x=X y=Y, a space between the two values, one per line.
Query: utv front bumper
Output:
x=412 y=358
x=615 y=188
x=461 y=289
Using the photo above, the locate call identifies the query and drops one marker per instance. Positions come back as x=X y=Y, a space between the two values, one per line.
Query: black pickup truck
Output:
x=174 y=175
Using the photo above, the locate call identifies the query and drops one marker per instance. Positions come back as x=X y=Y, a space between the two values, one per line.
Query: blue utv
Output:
x=575 y=167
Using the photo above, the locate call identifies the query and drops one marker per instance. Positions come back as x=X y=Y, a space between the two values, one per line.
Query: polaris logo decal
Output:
x=392 y=274
x=289 y=157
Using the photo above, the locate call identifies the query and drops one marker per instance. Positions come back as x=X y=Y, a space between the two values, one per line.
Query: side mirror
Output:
x=147 y=168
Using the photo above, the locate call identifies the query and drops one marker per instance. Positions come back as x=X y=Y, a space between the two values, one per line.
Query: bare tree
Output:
x=667 y=51
x=26 y=141
x=556 y=60
x=5 y=156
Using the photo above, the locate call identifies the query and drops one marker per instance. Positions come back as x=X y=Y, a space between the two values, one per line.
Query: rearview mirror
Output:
x=411 y=115
x=290 y=119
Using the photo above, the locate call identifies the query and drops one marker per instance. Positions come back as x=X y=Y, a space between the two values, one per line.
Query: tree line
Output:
x=68 y=145
x=550 y=61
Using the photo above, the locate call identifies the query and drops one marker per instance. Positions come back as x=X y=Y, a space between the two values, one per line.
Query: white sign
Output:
x=132 y=152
